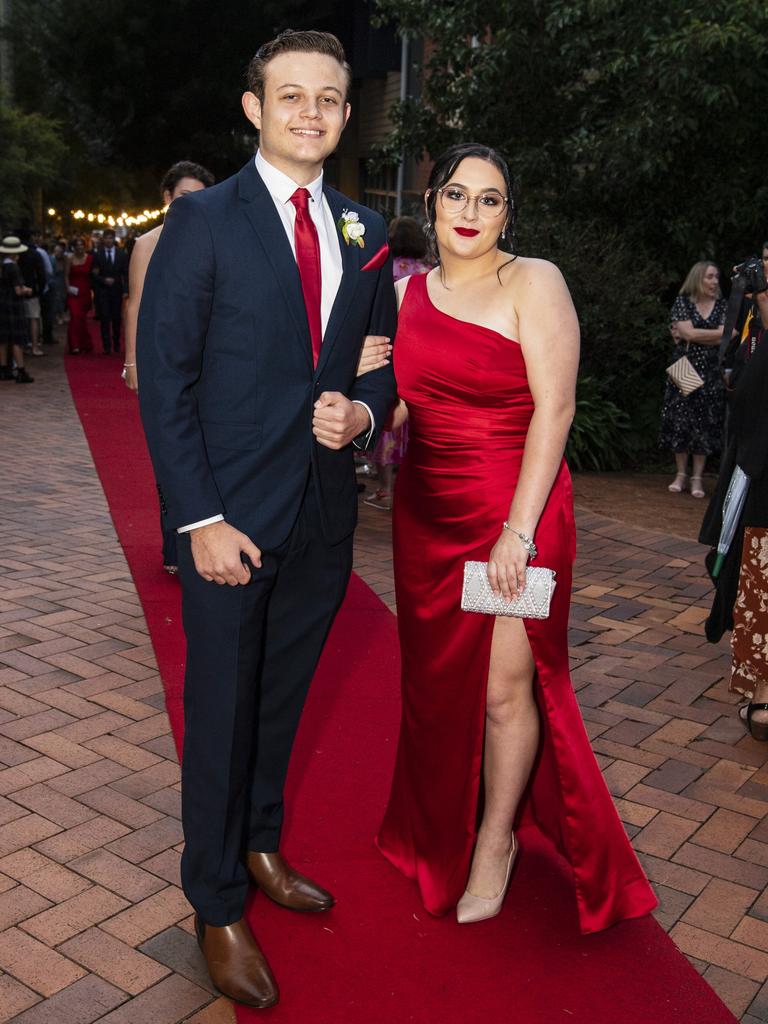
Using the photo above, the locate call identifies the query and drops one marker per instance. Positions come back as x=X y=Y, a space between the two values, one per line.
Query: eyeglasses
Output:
x=489 y=204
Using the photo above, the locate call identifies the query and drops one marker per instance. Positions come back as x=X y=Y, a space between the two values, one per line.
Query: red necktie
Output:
x=308 y=259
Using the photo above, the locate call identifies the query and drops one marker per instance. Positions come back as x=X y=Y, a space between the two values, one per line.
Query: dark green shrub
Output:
x=599 y=437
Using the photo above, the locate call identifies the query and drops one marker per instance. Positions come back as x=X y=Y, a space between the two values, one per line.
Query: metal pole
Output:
x=404 y=60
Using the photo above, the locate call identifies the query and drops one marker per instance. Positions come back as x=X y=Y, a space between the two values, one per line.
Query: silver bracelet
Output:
x=128 y=365
x=528 y=544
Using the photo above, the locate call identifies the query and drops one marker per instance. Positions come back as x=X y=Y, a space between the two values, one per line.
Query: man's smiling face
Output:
x=303 y=112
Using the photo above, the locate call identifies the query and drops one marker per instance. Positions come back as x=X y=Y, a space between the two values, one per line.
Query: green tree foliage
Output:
x=31 y=153
x=140 y=85
x=633 y=132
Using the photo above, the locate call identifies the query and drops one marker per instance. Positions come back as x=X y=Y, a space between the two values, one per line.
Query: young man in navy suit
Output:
x=110 y=287
x=255 y=307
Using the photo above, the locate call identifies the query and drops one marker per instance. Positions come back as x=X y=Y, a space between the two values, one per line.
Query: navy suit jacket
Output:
x=117 y=269
x=226 y=381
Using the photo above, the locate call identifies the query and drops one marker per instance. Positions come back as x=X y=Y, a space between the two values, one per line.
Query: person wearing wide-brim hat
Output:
x=11 y=246
x=13 y=320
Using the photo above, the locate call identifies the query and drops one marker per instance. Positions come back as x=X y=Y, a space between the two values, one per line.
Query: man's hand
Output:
x=216 y=549
x=337 y=421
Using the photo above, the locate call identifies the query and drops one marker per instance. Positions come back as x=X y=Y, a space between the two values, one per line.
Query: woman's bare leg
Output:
x=18 y=356
x=511 y=742
x=681 y=463
x=760 y=697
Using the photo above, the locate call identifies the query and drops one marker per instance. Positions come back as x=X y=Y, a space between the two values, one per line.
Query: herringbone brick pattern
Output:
x=93 y=924
x=691 y=787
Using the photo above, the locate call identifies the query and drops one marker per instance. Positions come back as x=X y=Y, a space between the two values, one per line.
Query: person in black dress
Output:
x=741 y=588
x=13 y=318
x=693 y=424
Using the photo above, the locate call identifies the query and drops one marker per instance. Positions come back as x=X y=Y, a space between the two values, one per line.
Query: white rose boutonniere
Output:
x=352 y=230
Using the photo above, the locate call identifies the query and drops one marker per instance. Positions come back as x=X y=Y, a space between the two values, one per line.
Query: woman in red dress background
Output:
x=486 y=358
x=409 y=248
x=77 y=276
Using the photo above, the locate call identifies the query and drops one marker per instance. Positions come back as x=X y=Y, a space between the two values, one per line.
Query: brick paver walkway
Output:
x=93 y=924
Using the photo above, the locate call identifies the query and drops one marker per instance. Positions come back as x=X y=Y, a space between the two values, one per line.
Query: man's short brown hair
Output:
x=295 y=42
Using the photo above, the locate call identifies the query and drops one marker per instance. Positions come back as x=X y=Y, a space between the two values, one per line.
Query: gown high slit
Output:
x=469 y=408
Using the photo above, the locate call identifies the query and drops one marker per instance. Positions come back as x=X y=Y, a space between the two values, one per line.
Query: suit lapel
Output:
x=264 y=219
x=350 y=259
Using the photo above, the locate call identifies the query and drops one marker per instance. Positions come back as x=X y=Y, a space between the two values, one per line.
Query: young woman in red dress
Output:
x=77 y=277
x=486 y=357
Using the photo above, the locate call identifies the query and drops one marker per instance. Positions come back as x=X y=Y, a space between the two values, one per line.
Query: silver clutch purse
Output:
x=533 y=603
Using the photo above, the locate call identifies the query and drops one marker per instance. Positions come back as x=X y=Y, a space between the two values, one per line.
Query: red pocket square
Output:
x=378 y=261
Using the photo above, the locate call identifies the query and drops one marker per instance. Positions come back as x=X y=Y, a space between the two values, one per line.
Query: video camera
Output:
x=752 y=273
x=748 y=279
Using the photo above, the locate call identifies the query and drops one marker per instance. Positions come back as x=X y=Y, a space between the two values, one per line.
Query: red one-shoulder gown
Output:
x=469 y=408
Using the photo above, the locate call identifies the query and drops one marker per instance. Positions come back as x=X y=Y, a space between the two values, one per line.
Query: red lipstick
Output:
x=467 y=232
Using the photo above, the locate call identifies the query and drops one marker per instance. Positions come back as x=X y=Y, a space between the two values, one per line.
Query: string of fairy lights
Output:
x=119 y=220
x=113 y=220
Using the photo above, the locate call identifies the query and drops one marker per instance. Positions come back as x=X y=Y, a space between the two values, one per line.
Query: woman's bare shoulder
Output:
x=531 y=269
x=400 y=288
x=142 y=253
x=145 y=244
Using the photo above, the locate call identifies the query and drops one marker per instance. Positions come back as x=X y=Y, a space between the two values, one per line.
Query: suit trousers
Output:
x=109 y=307
x=46 y=315
x=251 y=654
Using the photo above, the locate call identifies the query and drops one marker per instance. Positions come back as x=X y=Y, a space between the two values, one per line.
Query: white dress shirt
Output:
x=281 y=188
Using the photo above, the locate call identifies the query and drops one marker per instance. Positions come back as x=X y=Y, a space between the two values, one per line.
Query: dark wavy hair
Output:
x=185 y=169
x=406 y=238
x=443 y=170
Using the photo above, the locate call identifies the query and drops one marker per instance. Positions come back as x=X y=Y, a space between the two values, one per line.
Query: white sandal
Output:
x=697 y=488
x=678 y=484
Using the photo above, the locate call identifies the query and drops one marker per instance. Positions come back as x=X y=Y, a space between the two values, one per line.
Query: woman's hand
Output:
x=375 y=353
x=506 y=566
x=131 y=379
x=684 y=330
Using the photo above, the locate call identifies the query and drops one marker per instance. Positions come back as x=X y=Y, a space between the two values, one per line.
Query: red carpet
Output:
x=378 y=958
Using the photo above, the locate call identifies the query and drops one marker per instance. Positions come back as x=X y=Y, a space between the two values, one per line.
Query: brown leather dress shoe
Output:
x=236 y=965
x=285 y=886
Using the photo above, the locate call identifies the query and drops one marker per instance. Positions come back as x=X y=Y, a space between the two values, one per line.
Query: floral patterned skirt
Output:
x=391 y=447
x=749 y=641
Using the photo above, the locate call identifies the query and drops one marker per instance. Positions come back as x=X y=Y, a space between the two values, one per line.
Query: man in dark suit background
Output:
x=110 y=286
x=32 y=271
x=255 y=306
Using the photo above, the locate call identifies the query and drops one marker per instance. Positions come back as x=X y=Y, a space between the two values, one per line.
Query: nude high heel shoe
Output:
x=475 y=908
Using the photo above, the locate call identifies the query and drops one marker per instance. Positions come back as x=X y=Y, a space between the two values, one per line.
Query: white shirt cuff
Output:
x=367 y=440
x=203 y=522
